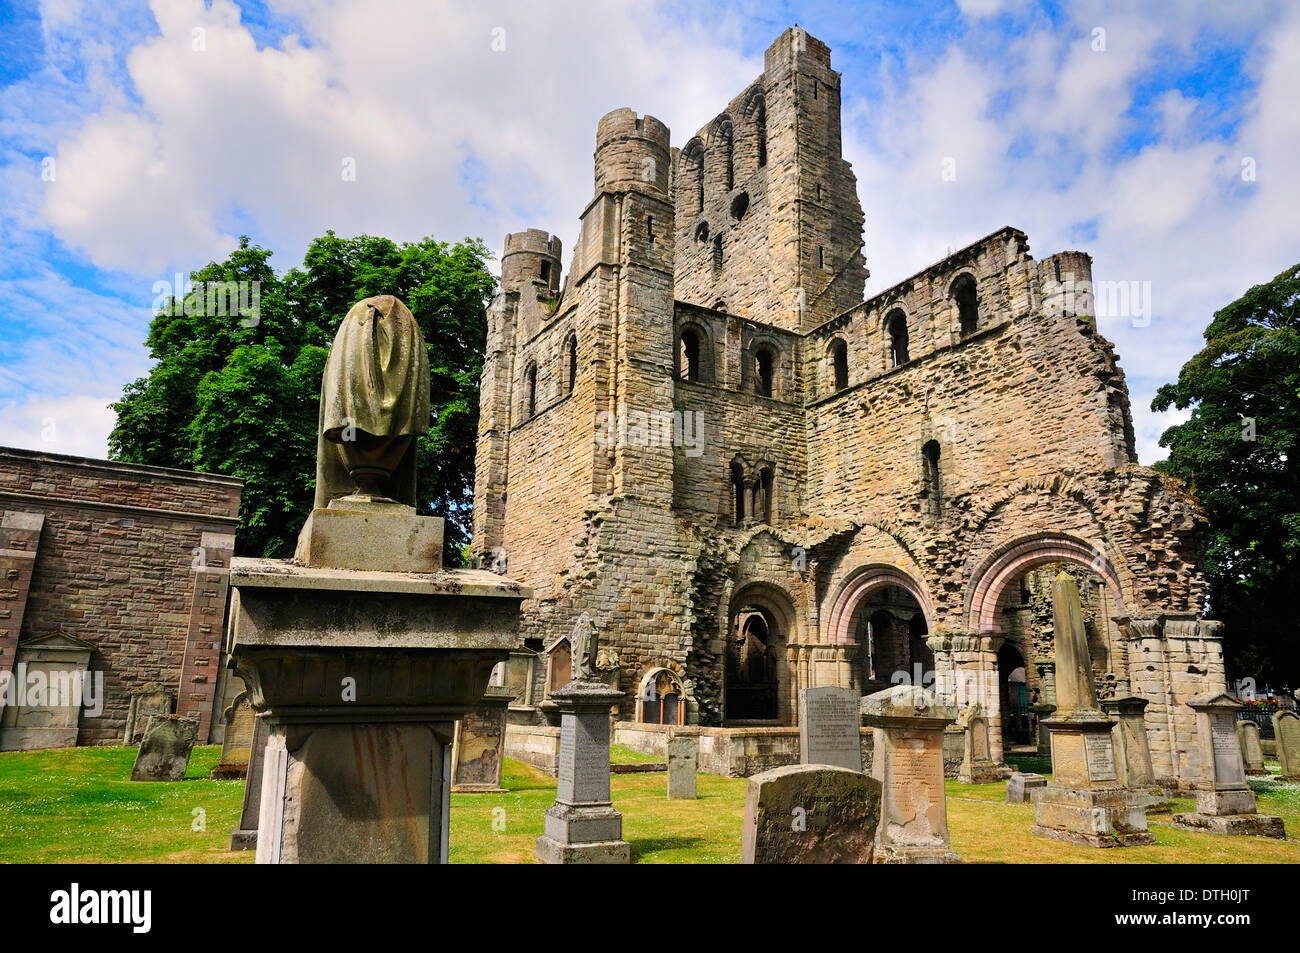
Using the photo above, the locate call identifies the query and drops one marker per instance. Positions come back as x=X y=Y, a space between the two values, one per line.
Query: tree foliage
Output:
x=234 y=396
x=1240 y=452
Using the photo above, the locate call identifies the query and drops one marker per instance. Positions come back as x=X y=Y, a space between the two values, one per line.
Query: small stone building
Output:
x=756 y=481
x=119 y=570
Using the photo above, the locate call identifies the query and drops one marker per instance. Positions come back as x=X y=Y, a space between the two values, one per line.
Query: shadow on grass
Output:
x=645 y=846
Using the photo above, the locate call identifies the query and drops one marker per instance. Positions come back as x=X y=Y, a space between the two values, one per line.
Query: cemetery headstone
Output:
x=1133 y=767
x=238 y=740
x=1286 y=731
x=683 y=760
x=478 y=752
x=1225 y=804
x=829 y=733
x=150 y=699
x=810 y=814
x=1085 y=803
x=165 y=749
x=582 y=826
x=1252 y=753
x=977 y=764
x=907 y=724
x=1020 y=786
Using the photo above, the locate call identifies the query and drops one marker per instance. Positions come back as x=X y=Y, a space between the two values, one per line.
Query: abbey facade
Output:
x=754 y=481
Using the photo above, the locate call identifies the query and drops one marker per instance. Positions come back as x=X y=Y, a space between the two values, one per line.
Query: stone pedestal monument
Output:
x=1132 y=751
x=908 y=728
x=582 y=826
x=1225 y=804
x=362 y=652
x=1085 y=803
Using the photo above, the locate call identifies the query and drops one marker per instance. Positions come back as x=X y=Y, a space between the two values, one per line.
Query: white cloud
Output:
x=76 y=425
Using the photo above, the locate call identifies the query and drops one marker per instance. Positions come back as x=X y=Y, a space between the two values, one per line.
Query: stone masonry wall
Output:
x=115 y=564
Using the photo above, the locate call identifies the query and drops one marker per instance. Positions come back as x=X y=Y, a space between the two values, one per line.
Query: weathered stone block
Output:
x=165 y=749
x=810 y=814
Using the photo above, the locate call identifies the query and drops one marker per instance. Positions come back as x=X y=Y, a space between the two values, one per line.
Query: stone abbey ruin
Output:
x=755 y=482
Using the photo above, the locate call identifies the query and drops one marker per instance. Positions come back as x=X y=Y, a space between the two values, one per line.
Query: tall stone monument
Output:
x=582 y=826
x=1286 y=731
x=362 y=652
x=1085 y=803
x=1225 y=804
x=829 y=732
x=907 y=760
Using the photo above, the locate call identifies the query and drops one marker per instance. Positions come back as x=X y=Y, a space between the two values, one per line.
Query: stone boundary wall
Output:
x=115 y=563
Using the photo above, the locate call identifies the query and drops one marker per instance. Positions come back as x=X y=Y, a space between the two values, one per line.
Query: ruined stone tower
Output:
x=755 y=481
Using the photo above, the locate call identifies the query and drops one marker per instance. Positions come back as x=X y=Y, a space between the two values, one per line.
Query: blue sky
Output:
x=139 y=139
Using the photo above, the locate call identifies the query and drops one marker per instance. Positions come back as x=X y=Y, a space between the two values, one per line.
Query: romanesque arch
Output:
x=858 y=587
x=762 y=624
x=1012 y=560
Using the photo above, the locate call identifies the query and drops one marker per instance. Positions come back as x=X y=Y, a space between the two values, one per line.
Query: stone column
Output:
x=582 y=826
x=1225 y=804
x=975 y=677
x=908 y=724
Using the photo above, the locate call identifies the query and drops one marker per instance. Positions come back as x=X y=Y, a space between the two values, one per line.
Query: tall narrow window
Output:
x=896 y=328
x=737 y=495
x=932 y=484
x=650 y=229
x=545 y=271
x=689 y=368
x=840 y=361
x=763 y=372
x=963 y=293
x=761 y=132
x=530 y=392
x=763 y=490
x=717 y=252
x=728 y=157
x=573 y=362
x=692 y=184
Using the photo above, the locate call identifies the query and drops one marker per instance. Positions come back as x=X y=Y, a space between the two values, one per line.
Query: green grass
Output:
x=620 y=755
x=76 y=805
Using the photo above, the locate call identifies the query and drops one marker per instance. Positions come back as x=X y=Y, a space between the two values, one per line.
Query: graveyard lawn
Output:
x=76 y=805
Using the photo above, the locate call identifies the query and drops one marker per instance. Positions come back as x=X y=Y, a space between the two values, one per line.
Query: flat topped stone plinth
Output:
x=360 y=676
x=356 y=534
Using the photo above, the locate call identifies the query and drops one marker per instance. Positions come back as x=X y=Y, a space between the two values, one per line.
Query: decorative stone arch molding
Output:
x=652 y=676
x=774 y=601
x=846 y=608
x=1011 y=560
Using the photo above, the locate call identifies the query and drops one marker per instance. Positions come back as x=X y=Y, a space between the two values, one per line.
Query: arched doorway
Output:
x=891 y=634
x=1014 y=696
x=752 y=681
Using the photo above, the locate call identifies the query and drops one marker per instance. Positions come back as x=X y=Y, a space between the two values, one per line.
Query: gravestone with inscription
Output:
x=1286 y=729
x=582 y=826
x=1252 y=753
x=683 y=760
x=1225 y=804
x=907 y=760
x=478 y=747
x=1085 y=803
x=817 y=814
x=829 y=733
x=165 y=749
x=977 y=764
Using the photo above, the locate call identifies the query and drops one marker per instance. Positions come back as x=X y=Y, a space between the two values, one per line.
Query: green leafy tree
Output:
x=231 y=395
x=1240 y=452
